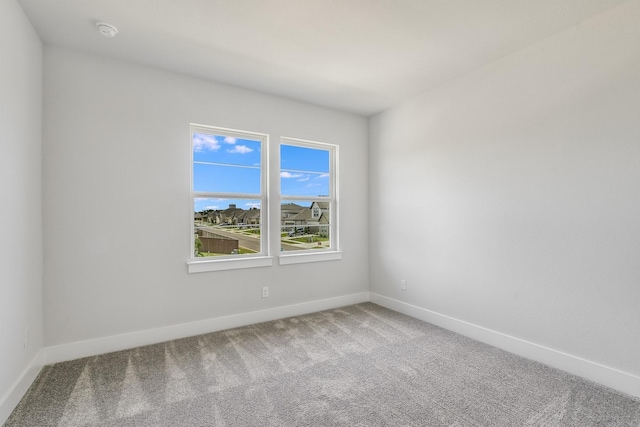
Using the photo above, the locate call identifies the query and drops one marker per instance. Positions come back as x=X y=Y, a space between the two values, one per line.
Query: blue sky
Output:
x=232 y=165
x=304 y=171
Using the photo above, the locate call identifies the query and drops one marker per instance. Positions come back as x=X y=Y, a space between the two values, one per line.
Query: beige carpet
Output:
x=361 y=365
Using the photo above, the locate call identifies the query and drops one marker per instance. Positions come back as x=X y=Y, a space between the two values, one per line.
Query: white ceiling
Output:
x=361 y=56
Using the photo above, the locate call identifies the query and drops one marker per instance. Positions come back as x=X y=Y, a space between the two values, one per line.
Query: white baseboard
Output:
x=76 y=350
x=610 y=377
x=11 y=399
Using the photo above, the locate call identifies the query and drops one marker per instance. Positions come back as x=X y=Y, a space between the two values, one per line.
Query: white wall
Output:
x=117 y=207
x=20 y=198
x=509 y=197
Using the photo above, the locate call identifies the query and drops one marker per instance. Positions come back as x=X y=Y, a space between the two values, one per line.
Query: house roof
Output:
x=231 y=211
x=251 y=213
x=292 y=207
x=303 y=215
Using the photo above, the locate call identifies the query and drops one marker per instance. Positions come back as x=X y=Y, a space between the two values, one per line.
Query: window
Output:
x=228 y=194
x=308 y=206
x=230 y=203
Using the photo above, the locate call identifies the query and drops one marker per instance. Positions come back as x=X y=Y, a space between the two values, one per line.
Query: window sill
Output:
x=300 y=258
x=228 y=264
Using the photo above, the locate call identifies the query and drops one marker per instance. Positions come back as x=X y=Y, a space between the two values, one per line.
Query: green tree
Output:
x=197 y=245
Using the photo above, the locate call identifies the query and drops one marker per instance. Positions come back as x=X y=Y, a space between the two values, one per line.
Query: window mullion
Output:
x=207 y=195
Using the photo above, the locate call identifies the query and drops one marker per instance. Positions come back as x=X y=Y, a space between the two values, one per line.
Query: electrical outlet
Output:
x=265 y=292
x=27 y=333
x=403 y=285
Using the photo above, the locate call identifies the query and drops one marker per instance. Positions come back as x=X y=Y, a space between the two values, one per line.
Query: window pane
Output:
x=225 y=164
x=304 y=225
x=304 y=171
x=304 y=158
x=226 y=179
x=222 y=149
x=226 y=227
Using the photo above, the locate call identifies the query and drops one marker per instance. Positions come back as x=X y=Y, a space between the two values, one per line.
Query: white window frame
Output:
x=315 y=255
x=263 y=259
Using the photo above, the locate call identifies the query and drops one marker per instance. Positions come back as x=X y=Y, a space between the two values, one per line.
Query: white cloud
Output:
x=306 y=178
x=290 y=175
x=230 y=140
x=215 y=208
x=253 y=204
x=324 y=175
x=240 y=149
x=205 y=142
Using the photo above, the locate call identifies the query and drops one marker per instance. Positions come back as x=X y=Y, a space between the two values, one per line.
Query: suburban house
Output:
x=289 y=209
x=250 y=217
x=214 y=217
x=506 y=133
x=314 y=219
x=232 y=215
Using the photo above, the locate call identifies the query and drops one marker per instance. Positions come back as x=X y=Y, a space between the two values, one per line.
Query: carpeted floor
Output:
x=361 y=365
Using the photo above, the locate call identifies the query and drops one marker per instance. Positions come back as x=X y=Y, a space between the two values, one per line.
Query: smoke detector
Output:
x=106 y=30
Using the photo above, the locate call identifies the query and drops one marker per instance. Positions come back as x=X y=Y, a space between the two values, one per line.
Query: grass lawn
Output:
x=241 y=251
x=313 y=237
